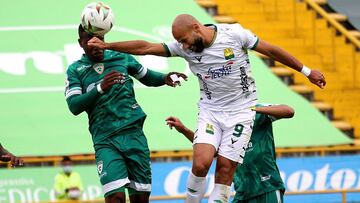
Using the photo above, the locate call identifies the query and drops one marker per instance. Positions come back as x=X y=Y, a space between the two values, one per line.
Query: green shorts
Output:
x=123 y=161
x=275 y=196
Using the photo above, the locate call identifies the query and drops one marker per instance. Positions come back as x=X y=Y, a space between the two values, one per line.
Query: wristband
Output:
x=98 y=87
x=306 y=71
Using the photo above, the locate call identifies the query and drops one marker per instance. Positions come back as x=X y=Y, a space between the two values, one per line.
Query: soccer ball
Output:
x=97 y=18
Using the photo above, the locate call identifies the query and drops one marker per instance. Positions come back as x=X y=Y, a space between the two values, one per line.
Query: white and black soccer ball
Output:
x=97 y=18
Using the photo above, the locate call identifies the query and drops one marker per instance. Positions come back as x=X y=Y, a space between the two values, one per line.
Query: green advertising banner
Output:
x=39 y=41
x=36 y=184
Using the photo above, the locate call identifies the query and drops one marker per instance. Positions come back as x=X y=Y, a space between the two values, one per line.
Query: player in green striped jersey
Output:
x=100 y=84
x=258 y=179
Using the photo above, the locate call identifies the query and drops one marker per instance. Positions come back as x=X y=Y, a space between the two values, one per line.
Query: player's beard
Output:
x=198 y=45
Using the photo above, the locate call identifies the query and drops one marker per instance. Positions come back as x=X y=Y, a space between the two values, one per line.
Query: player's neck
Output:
x=210 y=36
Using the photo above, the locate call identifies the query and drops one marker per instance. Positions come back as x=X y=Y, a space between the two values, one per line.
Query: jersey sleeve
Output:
x=72 y=83
x=174 y=49
x=135 y=69
x=246 y=38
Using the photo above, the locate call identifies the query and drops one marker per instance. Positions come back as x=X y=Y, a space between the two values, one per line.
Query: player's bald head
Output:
x=184 y=23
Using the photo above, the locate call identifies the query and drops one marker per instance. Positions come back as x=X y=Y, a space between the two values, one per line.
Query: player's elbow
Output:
x=290 y=112
x=74 y=111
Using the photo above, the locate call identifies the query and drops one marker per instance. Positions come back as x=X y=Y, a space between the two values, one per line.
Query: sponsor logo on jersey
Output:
x=265 y=178
x=82 y=67
x=100 y=167
x=219 y=72
x=249 y=147
x=229 y=53
x=90 y=87
x=209 y=129
x=198 y=58
x=204 y=86
x=244 y=80
x=99 y=68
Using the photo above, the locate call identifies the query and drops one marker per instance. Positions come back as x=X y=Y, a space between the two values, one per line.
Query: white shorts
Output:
x=228 y=131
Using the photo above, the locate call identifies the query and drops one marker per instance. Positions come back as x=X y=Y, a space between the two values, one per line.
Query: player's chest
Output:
x=94 y=73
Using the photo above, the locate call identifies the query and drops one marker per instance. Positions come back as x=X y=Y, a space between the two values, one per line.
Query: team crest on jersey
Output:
x=229 y=53
x=99 y=68
x=100 y=167
x=209 y=129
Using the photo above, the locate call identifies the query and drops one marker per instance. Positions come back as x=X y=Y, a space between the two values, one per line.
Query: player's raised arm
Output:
x=278 y=54
x=136 y=47
x=276 y=111
x=180 y=127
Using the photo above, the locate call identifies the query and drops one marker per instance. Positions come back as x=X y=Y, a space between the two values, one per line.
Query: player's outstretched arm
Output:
x=179 y=126
x=277 y=111
x=278 y=54
x=6 y=156
x=136 y=47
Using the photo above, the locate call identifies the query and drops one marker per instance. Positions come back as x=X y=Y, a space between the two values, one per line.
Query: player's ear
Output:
x=79 y=40
x=196 y=27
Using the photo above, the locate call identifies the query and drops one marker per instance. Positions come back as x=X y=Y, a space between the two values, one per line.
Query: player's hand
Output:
x=174 y=78
x=96 y=43
x=176 y=123
x=317 y=78
x=14 y=160
x=110 y=79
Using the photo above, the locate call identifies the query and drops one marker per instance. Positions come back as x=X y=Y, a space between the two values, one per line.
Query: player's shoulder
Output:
x=73 y=67
x=235 y=27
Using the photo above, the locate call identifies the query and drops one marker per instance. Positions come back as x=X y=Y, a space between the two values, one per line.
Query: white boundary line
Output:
x=65 y=27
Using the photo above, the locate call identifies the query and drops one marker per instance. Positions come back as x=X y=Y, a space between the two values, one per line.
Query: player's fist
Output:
x=96 y=43
x=317 y=78
x=174 y=78
x=110 y=79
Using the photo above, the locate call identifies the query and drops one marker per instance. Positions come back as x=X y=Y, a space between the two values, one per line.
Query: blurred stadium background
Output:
x=318 y=150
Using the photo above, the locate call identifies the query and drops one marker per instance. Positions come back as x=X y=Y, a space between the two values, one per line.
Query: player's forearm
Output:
x=278 y=54
x=80 y=103
x=188 y=134
x=153 y=79
x=136 y=47
x=277 y=111
x=285 y=58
